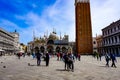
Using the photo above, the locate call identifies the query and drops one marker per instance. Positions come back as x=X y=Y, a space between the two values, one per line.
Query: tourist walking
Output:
x=71 y=61
x=24 y=54
x=61 y=56
x=100 y=56
x=113 y=58
x=38 y=56
x=58 y=56
x=47 y=59
x=79 y=56
x=33 y=55
x=76 y=56
x=97 y=56
x=107 y=58
x=19 y=55
x=65 y=59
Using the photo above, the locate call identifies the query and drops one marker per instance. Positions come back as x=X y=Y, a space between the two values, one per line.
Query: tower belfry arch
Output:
x=83 y=27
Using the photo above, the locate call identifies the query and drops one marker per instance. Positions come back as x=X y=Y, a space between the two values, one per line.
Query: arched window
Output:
x=94 y=42
x=42 y=49
x=64 y=49
x=57 y=49
x=50 y=42
x=50 y=49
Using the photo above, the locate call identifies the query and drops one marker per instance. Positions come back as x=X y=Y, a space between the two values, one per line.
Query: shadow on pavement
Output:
x=36 y=65
x=61 y=70
x=103 y=66
x=31 y=64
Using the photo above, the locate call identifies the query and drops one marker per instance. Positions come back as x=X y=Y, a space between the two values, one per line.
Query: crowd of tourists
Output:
x=68 y=58
x=108 y=57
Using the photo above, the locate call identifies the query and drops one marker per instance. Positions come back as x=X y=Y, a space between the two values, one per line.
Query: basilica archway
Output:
x=36 y=49
x=64 y=50
x=57 y=49
x=69 y=50
x=50 y=49
x=50 y=42
x=42 y=49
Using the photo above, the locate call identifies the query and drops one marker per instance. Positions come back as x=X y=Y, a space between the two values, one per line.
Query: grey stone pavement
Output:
x=86 y=69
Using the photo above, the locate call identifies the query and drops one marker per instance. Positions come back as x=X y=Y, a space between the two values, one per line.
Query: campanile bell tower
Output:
x=83 y=27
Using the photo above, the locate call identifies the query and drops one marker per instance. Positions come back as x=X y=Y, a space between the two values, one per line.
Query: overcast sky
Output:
x=41 y=16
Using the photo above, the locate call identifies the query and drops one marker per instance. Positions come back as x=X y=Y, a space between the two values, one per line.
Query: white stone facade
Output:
x=16 y=41
x=51 y=44
x=8 y=41
x=111 y=38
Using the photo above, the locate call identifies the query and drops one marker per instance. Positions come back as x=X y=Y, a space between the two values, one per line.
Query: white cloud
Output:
x=24 y=33
x=104 y=14
x=36 y=24
x=61 y=16
x=8 y=25
x=34 y=5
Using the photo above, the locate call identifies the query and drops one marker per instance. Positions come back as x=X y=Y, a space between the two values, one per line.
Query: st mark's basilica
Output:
x=52 y=44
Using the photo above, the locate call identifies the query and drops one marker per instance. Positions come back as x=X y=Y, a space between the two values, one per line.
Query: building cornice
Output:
x=81 y=1
x=5 y=32
x=116 y=23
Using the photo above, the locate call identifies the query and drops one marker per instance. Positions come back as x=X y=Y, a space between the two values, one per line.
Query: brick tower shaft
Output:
x=83 y=27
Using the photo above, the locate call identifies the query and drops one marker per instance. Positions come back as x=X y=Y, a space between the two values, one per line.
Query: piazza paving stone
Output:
x=86 y=69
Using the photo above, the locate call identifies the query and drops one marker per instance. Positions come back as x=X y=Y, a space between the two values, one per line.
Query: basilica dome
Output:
x=53 y=36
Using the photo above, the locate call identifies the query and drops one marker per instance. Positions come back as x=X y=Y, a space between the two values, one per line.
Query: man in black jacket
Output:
x=38 y=56
x=113 y=58
x=47 y=59
x=65 y=57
